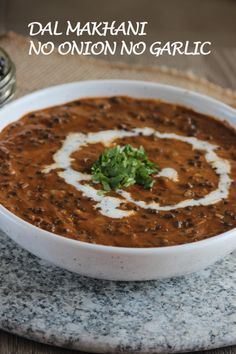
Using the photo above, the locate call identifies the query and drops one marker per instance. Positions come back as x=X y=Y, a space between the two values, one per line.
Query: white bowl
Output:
x=106 y=262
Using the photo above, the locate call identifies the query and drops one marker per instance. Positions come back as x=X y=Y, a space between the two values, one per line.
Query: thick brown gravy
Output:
x=49 y=202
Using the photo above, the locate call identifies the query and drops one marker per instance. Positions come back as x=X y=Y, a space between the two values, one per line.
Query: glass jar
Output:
x=7 y=78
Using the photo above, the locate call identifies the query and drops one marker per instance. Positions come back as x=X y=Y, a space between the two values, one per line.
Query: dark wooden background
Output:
x=210 y=20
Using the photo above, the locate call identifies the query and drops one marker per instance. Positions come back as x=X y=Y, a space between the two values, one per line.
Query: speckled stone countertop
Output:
x=44 y=303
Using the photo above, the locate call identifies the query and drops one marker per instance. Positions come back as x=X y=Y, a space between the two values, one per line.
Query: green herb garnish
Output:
x=123 y=166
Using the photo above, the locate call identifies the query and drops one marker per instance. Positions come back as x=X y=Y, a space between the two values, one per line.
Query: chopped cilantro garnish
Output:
x=123 y=166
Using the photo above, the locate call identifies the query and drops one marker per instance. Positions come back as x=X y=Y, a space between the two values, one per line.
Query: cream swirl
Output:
x=109 y=206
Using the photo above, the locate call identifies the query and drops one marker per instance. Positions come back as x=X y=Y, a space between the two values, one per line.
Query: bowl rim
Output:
x=106 y=248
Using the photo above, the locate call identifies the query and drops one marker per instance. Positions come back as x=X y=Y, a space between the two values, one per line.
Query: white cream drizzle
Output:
x=170 y=173
x=109 y=206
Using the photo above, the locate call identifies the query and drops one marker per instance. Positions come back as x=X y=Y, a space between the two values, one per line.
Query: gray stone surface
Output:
x=44 y=303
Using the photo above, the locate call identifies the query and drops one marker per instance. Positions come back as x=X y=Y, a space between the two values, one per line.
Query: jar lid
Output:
x=7 y=77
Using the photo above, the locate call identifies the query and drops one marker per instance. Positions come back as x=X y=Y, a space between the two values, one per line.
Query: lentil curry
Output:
x=47 y=158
